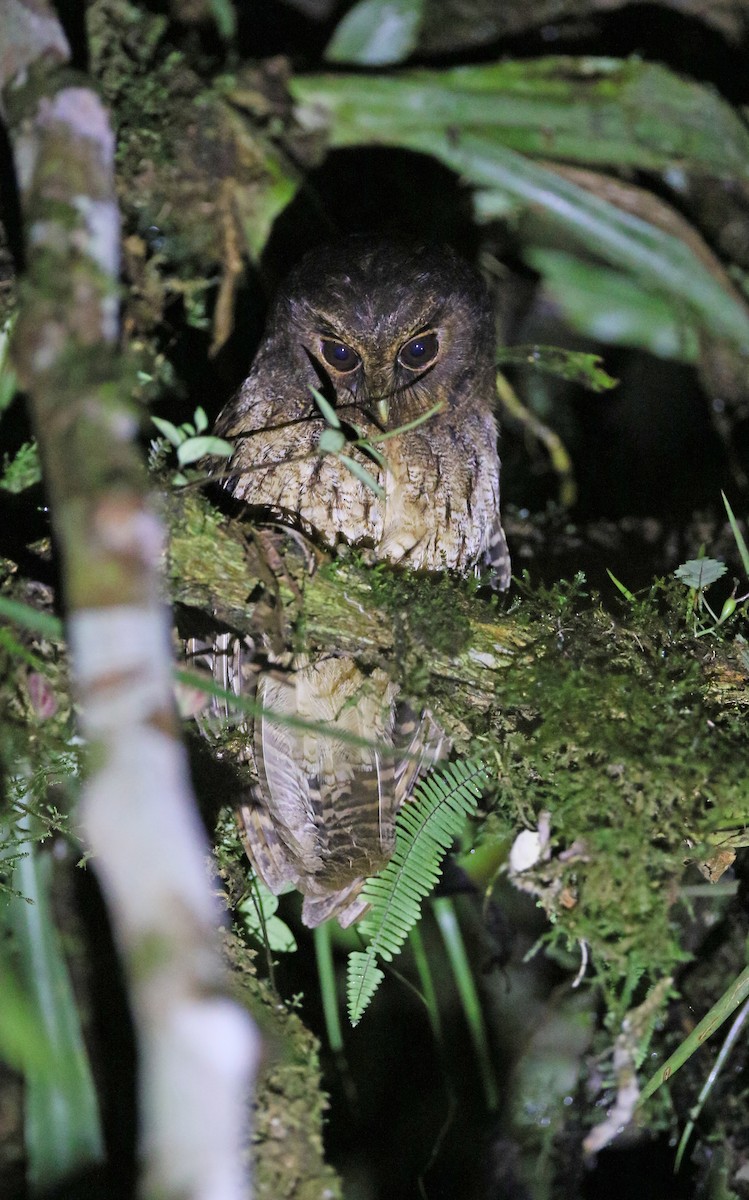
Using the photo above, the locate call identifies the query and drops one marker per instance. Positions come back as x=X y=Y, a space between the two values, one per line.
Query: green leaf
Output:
x=658 y=260
x=171 y=432
x=31 y=618
x=444 y=911
x=376 y=32
x=376 y=455
x=266 y=197
x=425 y=829
x=700 y=572
x=8 y=380
x=363 y=977
x=23 y=1040
x=572 y=365
x=606 y=111
x=331 y=441
x=734 y=995
x=245 y=704
x=200 y=419
x=260 y=920
x=468 y=118
x=622 y=587
x=23 y=470
x=604 y=303
x=722 y=1059
x=62 y=1128
x=737 y=534
x=362 y=474
x=408 y=425
x=194 y=448
x=225 y=18
x=326 y=408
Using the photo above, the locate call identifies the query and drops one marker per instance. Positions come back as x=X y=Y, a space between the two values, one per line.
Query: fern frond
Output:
x=363 y=979
x=425 y=829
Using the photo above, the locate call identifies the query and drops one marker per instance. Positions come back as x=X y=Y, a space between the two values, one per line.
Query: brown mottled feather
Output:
x=323 y=813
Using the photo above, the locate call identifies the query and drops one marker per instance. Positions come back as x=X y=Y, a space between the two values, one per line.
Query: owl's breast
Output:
x=317 y=493
x=439 y=491
x=442 y=493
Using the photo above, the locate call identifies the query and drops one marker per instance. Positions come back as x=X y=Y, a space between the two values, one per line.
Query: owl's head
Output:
x=389 y=328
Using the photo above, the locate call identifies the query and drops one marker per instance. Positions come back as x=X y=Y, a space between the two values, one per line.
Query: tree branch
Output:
x=198 y=1051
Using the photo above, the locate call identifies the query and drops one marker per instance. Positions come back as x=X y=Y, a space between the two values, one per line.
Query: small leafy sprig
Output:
x=191 y=444
x=699 y=573
x=333 y=440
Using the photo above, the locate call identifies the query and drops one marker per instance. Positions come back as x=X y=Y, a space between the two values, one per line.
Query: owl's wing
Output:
x=329 y=806
x=321 y=816
x=422 y=742
x=346 y=905
x=328 y=797
x=496 y=555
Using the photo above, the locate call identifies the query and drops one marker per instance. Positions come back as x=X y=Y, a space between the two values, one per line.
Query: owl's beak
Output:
x=383 y=408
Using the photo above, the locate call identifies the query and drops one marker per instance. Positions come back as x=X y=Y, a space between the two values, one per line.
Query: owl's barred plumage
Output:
x=386 y=333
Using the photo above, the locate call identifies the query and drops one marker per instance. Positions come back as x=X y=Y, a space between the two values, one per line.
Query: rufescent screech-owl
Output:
x=385 y=332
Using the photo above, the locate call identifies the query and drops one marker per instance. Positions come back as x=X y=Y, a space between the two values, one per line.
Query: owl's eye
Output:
x=419 y=352
x=339 y=355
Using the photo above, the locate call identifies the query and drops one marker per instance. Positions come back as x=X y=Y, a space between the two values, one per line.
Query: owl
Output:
x=398 y=341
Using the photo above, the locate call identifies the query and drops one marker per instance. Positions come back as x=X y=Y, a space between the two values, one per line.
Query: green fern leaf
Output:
x=364 y=978
x=425 y=830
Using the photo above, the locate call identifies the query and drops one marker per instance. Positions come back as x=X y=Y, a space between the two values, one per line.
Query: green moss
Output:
x=22 y=470
x=609 y=727
x=187 y=163
x=434 y=608
x=204 y=559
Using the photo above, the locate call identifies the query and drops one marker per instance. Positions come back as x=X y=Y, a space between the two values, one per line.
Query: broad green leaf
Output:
x=260 y=205
x=260 y=920
x=662 y=122
x=197 y=447
x=604 y=111
x=23 y=1040
x=605 y=304
x=700 y=572
x=656 y=259
x=62 y=1128
x=376 y=32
